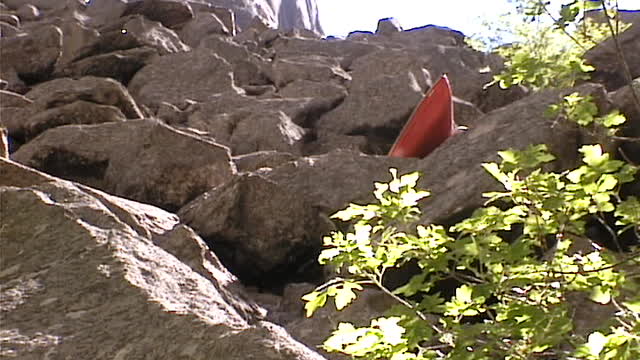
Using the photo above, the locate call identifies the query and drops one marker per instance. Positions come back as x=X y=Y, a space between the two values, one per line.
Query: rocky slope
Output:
x=168 y=167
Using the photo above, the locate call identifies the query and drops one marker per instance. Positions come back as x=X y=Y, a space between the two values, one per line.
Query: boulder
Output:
x=249 y=69
x=239 y=222
x=42 y=4
x=28 y=12
x=345 y=51
x=75 y=38
x=225 y=15
x=468 y=70
x=302 y=111
x=11 y=99
x=325 y=96
x=465 y=113
x=171 y=167
x=124 y=252
x=8 y=30
x=261 y=159
x=32 y=55
x=494 y=97
x=310 y=67
x=88 y=100
x=203 y=76
x=388 y=27
x=133 y=32
x=103 y=12
x=10 y=81
x=201 y=26
x=266 y=131
x=13 y=119
x=604 y=57
x=119 y=65
x=76 y=113
x=245 y=131
x=171 y=13
x=622 y=99
x=386 y=87
x=426 y=35
x=10 y=19
x=94 y=89
x=326 y=141
x=267 y=226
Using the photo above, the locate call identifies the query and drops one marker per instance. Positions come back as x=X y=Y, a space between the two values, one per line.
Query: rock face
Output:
x=284 y=14
x=110 y=285
x=609 y=69
x=163 y=135
x=171 y=167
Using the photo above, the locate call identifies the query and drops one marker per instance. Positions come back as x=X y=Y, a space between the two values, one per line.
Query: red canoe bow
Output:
x=430 y=124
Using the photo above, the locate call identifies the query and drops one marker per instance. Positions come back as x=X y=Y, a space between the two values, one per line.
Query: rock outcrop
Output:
x=168 y=167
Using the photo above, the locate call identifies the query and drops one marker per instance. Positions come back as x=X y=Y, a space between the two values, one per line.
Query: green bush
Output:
x=518 y=260
x=511 y=298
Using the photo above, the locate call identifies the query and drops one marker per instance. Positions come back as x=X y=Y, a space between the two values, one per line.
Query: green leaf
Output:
x=613 y=119
x=607 y=182
x=601 y=295
x=593 y=155
x=633 y=306
x=315 y=300
x=596 y=343
x=463 y=293
x=391 y=331
x=344 y=294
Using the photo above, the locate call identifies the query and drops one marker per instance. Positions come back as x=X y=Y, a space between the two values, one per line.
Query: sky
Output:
x=339 y=17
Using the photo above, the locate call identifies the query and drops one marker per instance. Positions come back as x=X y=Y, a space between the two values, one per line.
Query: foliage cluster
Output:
x=511 y=301
x=548 y=50
x=519 y=264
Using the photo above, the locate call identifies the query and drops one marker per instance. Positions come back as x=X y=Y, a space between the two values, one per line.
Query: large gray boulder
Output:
x=90 y=88
x=75 y=38
x=623 y=100
x=170 y=13
x=605 y=58
x=310 y=67
x=385 y=88
x=267 y=226
x=32 y=55
x=119 y=65
x=204 y=75
x=246 y=132
x=169 y=167
x=200 y=26
x=345 y=51
x=132 y=32
x=88 y=100
x=77 y=112
x=121 y=280
x=249 y=68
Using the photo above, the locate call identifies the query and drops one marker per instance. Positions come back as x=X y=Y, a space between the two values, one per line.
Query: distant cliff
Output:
x=284 y=14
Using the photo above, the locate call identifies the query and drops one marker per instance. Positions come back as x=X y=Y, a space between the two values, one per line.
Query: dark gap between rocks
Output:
x=302 y=266
x=70 y=166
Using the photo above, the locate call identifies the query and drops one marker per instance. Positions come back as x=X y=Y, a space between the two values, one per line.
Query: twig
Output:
x=404 y=302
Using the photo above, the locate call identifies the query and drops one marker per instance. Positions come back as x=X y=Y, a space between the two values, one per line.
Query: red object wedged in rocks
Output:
x=430 y=124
